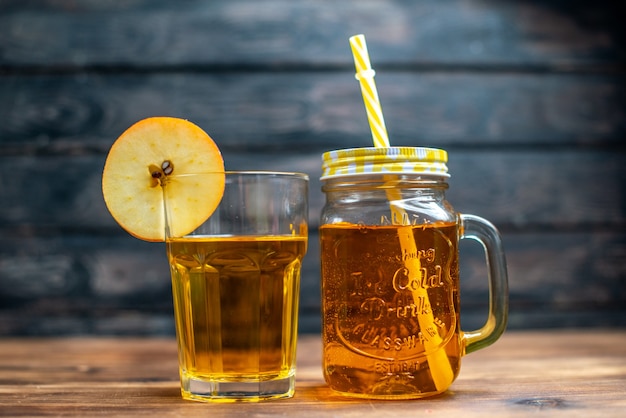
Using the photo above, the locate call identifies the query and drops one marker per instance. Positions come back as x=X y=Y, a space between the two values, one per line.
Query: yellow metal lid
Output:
x=399 y=160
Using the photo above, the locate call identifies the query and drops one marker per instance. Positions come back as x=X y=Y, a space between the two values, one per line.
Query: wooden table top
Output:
x=554 y=373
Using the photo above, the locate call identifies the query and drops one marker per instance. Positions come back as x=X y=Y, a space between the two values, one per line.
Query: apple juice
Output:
x=236 y=304
x=387 y=329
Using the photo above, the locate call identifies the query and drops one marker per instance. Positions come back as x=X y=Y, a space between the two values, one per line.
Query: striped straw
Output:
x=365 y=75
x=439 y=364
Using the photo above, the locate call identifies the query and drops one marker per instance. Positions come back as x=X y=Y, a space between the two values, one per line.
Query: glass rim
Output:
x=264 y=173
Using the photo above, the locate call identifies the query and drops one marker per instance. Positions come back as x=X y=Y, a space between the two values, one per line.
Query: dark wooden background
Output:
x=526 y=96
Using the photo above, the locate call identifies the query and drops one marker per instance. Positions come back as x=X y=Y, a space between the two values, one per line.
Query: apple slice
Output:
x=149 y=161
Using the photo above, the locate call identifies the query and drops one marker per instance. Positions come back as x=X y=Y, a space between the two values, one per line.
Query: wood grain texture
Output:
x=86 y=284
x=528 y=97
x=553 y=374
x=284 y=32
x=261 y=112
x=530 y=189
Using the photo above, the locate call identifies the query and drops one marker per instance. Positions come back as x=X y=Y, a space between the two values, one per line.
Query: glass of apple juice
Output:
x=236 y=283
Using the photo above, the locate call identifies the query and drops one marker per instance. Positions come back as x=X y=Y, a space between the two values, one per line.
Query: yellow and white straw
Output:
x=365 y=75
x=440 y=368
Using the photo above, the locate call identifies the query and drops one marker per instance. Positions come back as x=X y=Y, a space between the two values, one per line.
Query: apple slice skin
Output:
x=129 y=189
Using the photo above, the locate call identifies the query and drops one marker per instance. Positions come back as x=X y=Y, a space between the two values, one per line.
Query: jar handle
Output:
x=483 y=231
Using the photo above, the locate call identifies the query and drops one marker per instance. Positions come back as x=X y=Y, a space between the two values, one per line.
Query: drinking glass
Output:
x=236 y=281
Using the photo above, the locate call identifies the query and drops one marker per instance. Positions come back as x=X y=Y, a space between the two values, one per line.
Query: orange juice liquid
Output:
x=236 y=304
x=381 y=323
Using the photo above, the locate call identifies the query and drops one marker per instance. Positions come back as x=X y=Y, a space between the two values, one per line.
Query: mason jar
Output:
x=390 y=274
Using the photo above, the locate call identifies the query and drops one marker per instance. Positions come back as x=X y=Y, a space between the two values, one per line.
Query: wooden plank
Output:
x=512 y=189
x=532 y=189
x=72 y=284
x=561 y=373
x=550 y=269
x=78 y=114
x=282 y=32
x=130 y=322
